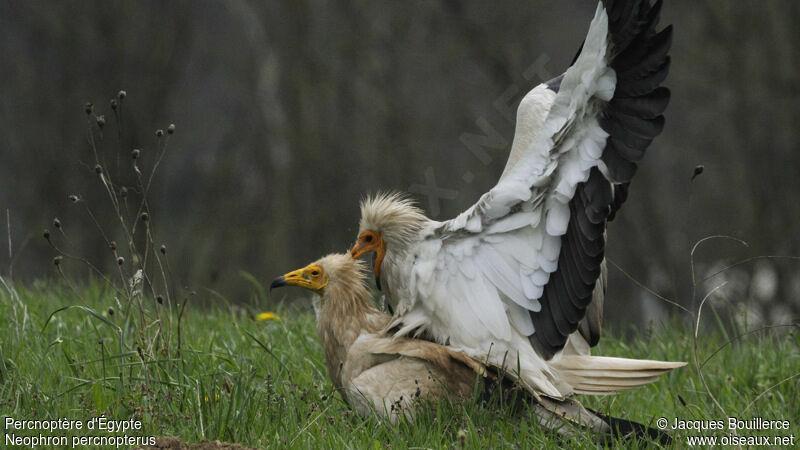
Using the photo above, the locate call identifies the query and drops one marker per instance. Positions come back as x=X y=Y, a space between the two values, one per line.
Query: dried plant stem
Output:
x=118 y=119
x=96 y=223
x=122 y=278
x=157 y=163
x=180 y=317
x=747 y=260
x=103 y=357
x=695 y=351
x=69 y=282
x=90 y=139
x=147 y=332
x=16 y=301
x=10 y=253
x=87 y=263
x=151 y=243
x=145 y=188
x=742 y=335
x=170 y=294
x=199 y=408
x=647 y=289
x=109 y=186
x=703 y=302
x=753 y=402
x=112 y=193
x=693 y=299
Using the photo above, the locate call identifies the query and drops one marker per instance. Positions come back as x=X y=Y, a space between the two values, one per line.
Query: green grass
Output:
x=263 y=384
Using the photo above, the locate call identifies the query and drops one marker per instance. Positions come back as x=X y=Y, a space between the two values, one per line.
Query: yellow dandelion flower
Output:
x=267 y=316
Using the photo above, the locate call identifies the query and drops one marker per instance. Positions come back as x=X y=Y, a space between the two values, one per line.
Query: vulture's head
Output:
x=332 y=272
x=388 y=221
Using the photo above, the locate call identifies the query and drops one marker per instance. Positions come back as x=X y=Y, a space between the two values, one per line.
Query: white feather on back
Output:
x=474 y=280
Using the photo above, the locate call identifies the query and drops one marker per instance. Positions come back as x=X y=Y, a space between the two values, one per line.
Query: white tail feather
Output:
x=597 y=375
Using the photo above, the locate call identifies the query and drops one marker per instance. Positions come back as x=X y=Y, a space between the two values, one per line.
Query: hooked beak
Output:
x=277 y=282
x=362 y=247
x=301 y=278
x=378 y=247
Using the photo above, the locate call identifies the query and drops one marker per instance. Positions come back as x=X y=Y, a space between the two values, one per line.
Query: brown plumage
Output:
x=375 y=373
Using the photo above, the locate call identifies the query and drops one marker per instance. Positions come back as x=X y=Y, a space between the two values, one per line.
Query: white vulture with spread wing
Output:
x=518 y=279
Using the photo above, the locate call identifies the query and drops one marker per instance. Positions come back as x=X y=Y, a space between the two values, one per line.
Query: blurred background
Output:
x=288 y=112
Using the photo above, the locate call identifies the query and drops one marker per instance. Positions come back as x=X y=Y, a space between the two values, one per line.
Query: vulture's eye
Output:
x=315 y=272
x=368 y=238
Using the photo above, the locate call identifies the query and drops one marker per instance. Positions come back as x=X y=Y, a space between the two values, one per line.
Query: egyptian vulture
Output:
x=380 y=374
x=372 y=371
x=518 y=279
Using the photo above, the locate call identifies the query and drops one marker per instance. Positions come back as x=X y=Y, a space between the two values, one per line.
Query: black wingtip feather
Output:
x=629 y=146
x=657 y=50
x=620 y=170
x=620 y=195
x=633 y=117
x=633 y=129
x=635 y=86
x=653 y=14
x=646 y=106
x=570 y=288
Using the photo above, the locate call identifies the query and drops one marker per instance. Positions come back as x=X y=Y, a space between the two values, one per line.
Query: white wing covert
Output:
x=526 y=258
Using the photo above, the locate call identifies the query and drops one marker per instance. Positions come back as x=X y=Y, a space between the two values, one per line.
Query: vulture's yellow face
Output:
x=311 y=277
x=370 y=241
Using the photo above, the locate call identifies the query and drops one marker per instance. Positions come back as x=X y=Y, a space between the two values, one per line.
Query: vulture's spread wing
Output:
x=528 y=254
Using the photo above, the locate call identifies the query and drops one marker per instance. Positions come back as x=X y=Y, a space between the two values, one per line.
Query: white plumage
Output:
x=508 y=280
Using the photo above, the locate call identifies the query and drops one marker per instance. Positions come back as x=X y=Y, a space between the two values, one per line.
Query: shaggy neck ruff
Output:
x=345 y=311
x=396 y=217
